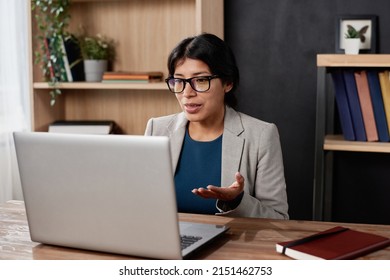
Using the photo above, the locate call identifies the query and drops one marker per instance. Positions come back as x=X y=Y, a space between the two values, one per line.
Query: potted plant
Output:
x=96 y=51
x=352 y=40
x=52 y=18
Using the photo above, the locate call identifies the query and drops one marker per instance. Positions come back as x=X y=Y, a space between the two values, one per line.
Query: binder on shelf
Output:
x=343 y=105
x=83 y=127
x=384 y=80
x=337 y=243
x=73 y=60
x=377 y=105
x=366 y=105
x=66 y=62
x=353 y=99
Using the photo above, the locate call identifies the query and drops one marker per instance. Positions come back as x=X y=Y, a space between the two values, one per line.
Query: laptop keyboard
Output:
x=187 y=240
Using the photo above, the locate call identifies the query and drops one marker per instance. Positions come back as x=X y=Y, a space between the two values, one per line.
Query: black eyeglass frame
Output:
x=189 y=81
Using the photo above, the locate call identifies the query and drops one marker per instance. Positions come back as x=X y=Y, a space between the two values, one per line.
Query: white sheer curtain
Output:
x=14 y=86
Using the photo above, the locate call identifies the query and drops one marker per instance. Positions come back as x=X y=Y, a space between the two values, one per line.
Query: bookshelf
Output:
x=326 y=143
x=145 y=31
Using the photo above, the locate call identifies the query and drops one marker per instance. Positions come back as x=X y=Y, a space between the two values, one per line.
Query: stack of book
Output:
x=132 y=77
x=363 y=101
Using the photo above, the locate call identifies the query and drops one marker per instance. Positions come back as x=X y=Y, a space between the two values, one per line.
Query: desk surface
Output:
x=247 y=238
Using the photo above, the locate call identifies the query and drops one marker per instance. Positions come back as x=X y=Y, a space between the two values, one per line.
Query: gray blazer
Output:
x=250 y=146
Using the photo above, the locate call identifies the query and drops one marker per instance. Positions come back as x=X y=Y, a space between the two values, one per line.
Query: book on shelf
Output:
x=69 y=67
x=83 y=127
x=337 y=243
x=384 y=80
x=128 y=81
x=151 y=76
x=343 y=105
x=355 y=109
x=377 y=105
x=73 y=60
x=66 y=62
x=366 y=105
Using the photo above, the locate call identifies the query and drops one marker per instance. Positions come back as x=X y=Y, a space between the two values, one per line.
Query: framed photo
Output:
x=365 y=25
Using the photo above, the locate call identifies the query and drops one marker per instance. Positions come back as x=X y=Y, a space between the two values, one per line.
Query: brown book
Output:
x=366 y=105
x=126 y=75
x=338 y=243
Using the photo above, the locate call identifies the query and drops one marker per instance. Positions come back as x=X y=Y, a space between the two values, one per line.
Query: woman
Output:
x=213 y=145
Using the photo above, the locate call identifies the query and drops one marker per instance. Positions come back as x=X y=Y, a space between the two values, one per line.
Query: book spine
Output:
x=377 y=104
x=125 y=77
x=384 y=80
x=366 y=105
x=73 y=53
x=343 y=105
x=353 y=99
x=125 y=81
x=66 y=61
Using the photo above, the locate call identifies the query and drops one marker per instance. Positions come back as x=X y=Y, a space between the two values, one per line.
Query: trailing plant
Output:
x=52 y=18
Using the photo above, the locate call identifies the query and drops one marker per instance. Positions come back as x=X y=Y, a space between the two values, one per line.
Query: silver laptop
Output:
x=110 y=193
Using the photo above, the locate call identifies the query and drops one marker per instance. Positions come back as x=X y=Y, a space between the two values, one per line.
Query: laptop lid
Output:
x=111 y=193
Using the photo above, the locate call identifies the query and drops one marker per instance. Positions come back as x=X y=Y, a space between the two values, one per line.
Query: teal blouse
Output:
x=199 y=166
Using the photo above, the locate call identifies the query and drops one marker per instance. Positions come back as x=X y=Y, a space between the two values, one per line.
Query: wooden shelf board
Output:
x=88 y=85
x=361 y=60
x=337 y=143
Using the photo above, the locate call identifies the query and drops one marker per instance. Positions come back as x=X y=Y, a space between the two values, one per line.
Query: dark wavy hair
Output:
x=215 y=53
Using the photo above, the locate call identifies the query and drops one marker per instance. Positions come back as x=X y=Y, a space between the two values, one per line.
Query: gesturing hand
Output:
x=222 y=193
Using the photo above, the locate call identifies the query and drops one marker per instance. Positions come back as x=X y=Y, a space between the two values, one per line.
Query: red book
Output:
x=338 y=243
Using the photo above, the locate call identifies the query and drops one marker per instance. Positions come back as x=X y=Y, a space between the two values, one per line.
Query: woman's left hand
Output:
x=222 y=193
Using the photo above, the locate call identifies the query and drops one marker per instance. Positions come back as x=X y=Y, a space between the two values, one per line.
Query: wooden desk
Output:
x=247 y=238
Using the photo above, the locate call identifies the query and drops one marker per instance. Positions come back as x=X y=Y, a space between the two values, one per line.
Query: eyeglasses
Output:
x=199 y=84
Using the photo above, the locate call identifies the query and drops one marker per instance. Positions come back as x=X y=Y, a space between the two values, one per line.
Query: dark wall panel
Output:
x=276 y=42
x=362 y=196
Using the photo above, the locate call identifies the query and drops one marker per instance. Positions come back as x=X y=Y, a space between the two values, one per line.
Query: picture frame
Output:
x=365 y=24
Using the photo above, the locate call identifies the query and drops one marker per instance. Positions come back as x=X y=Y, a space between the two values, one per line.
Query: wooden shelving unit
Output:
x=145 y=31
x=326 y=141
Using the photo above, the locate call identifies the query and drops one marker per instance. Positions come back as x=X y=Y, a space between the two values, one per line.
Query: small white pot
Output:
x=352 y=45
x=94 y=70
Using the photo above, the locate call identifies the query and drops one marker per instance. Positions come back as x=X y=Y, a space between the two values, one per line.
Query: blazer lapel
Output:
x=232 y=146
x=177 y=129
